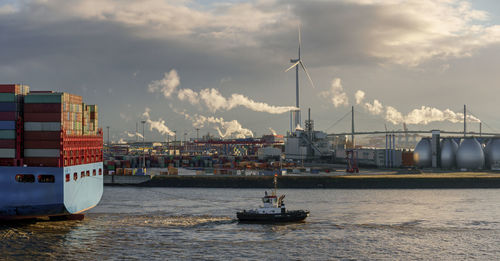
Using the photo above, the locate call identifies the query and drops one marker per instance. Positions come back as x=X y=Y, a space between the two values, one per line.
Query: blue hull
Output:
x=29 y=192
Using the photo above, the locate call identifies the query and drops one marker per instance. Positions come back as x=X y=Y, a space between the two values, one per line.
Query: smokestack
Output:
x=136 y=130
x=309 y=114
x=352 y=127
x=465 y=120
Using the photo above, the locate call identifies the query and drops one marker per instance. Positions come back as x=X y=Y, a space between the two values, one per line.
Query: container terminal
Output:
x=307 y=152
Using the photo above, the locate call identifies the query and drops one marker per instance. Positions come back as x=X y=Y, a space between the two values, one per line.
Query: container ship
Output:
x=50 y=154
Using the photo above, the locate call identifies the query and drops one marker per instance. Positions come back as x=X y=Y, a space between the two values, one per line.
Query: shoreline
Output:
x=479 y=180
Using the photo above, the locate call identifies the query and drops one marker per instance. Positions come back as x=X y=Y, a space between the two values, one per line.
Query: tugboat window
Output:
x=25 y=178
x=46 y=179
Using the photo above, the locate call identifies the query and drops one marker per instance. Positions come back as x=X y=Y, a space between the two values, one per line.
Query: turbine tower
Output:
x=296 y=63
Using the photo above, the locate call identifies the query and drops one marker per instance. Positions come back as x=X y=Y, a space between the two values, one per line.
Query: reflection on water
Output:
x=166 y=223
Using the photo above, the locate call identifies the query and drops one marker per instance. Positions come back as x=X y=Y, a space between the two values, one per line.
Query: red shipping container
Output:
x=7 y=162
x=43 y=107
x=8 y=144
x=8 y=88
x=42 y=117
x=8 y=115
x=42 y=135
x=42 y=144
x=41 y=162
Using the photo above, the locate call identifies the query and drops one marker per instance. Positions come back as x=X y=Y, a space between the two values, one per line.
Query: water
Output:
x=186 y=224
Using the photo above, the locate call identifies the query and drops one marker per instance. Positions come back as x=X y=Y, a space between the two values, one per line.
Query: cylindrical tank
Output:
x=470 y=154
x=448 y=153
x=492 y=154
x=422 y=155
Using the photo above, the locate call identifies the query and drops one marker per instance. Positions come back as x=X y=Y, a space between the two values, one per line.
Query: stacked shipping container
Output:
x=11 y=99
x=49 y=127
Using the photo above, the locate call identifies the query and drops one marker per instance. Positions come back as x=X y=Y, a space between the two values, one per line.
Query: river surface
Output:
x=188 y=223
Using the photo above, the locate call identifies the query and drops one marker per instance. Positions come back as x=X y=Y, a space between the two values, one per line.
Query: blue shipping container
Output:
x=7 y=125
x=8 y=106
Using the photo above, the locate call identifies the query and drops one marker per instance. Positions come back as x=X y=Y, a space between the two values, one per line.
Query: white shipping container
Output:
x=42 y=126
x=41 y=153
x=8 y=153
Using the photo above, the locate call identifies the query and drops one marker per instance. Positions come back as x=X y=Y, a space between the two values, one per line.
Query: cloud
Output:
x=412 y=32
x=166 y=85
x=7 y=9
x=158 y=125
x=336 y=94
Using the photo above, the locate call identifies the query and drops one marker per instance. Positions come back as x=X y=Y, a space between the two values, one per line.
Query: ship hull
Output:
x=33 y=192
x=290 y=216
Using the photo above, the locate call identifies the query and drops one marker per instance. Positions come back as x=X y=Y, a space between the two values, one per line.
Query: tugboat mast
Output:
x=275 y=184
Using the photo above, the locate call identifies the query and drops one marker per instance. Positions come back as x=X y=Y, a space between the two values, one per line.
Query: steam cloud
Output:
x=336 y=93
x=158 y=125
x=359 y=96
x=214 y=101
x=424 y=115
x=131 y=135
x=166 y=85
x=225 y=129
x=211 y=98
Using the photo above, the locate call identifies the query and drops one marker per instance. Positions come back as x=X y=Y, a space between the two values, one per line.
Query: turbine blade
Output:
x=307 y=73
x=295 y=64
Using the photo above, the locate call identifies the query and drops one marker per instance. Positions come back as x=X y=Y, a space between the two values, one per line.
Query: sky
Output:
x=219 y=66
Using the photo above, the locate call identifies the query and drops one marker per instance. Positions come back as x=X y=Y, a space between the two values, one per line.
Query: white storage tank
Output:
x=492 y=154
x=422 y=155
x=470 y=154
x=448 y=153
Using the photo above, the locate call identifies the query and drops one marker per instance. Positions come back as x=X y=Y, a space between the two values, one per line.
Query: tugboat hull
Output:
x=289 y=216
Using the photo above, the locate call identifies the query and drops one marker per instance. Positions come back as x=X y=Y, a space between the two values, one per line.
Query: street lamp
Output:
x=185 y=146
x=175 y=141
x=108 y=134
x=143 y=147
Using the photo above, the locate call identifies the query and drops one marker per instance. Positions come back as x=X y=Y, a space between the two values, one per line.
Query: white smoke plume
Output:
x=166 y=85
x=158 y=125
x=215 y=101
x=121 y=141
x=424 y=115
x=336 y=94
x=211 y=98
x=189 y=95
x=131 y=135
x=225 y=129
x=359 y=96
x=376 y=108
x=273 y=131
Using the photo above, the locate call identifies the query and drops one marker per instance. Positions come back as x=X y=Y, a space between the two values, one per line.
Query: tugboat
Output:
x=272 y=211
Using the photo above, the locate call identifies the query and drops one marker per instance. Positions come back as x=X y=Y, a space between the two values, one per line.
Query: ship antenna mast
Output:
x=275 y=184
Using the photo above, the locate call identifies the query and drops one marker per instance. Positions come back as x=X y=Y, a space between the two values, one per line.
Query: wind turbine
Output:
x=296 y=63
